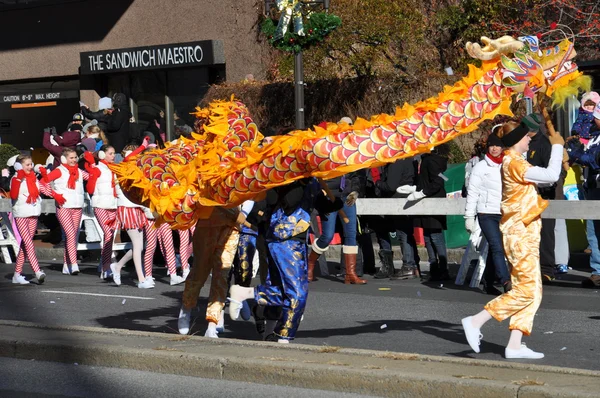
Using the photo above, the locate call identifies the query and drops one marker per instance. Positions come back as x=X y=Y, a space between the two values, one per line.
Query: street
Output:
x=402 y=316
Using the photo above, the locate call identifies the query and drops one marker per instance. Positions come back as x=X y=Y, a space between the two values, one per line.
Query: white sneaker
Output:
x=19 y=279
x=473 y=334
x=74 y=269
x=235 y=305
x=116 y=275
x=41 y=276
x=176 y=279
x=146 y=284
x=186 y=272
x=522 y=353
x=283 y=341
x=183 y=323
x=66 y=269
x=210 y=332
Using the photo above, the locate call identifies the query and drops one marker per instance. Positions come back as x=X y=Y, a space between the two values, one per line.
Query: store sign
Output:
x=209 y=52
x=37 y=97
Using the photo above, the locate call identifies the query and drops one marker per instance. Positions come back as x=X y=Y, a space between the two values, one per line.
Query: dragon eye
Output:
x=548 y=73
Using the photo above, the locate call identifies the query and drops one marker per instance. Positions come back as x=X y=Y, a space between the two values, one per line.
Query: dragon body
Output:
x=226 y=163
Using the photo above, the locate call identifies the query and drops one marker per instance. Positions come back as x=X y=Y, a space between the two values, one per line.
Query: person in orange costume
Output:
x=520 y=226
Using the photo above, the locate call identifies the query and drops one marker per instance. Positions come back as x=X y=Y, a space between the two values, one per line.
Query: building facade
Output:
x=162 y=55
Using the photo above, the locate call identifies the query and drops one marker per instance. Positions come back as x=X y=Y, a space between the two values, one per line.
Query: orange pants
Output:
x=522 y=249
x=214 y=250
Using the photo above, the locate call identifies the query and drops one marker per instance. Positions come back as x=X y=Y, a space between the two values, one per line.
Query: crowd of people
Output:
x=509 y=180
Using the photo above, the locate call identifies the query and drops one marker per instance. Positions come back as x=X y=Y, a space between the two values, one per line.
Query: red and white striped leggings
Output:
x=69 y=219
x=26 y=227
x=107 y=218
x=163 y=235
x=185 y=245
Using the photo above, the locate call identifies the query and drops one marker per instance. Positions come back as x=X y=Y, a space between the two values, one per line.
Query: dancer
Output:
x=26 y=208
x=163 y=236
x=102 y=186
x=132 y=219
x=68 y=180
x=185 y=249
x=287 y=283
x=215 y=245
x=520 y=226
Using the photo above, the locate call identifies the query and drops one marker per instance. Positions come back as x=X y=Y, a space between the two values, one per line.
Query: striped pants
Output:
x=69 y=219
x=107 y=218
x=163 y=235
x=185 y=246
x=26 y=227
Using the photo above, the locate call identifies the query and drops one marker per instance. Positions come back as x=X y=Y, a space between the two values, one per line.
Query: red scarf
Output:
x=497 y=160
x=112 y=179
x=73 y=175
x=34 y=192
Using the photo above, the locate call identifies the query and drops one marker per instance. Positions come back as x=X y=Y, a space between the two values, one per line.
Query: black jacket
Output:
x=432 y=185
x=538 y=154
x=354 y=181
x=117 y=129
x=100 y=116
x=394 y=175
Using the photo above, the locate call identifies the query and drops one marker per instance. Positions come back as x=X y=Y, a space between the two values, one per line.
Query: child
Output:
x=102 y=186
x=287 y=284
x=67 y=181
x=585 y=116
x=132 y=219
x=26 y=208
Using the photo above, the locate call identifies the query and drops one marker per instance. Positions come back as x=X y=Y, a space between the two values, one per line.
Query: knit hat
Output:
x=515 y=135
x=346 y=120
x=532 y=122
x=590 y=96
x=494 y=140
x=104 y=103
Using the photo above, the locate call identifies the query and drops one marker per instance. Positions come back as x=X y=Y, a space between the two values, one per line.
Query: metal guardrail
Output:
x=559 y=209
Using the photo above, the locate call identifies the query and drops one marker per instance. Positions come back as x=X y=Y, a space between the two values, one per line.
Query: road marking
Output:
x=97 y=294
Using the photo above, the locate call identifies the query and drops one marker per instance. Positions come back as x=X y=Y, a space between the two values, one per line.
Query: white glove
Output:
x=416 y=196
x=351 y=198
x=406 y=189
x=470 y=224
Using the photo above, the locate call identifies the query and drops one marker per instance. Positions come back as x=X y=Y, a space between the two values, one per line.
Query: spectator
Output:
x=484 y=195
x=539 y=155
x=585 y=116
x=400 y=173
x=103 y=114
x=117 y=130
x=94 y=137
x=431 y=184
x=55 y=143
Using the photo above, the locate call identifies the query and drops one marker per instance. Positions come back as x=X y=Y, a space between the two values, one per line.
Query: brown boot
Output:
x=350 y=253
x=312 y=260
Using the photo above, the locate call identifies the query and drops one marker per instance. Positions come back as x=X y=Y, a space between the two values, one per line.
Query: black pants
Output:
x=547 y=242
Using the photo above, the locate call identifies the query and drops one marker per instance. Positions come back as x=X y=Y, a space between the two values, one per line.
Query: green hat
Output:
x=532 y=121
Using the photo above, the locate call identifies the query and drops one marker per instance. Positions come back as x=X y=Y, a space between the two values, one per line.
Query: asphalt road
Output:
x=37 y=379
x=403 y=316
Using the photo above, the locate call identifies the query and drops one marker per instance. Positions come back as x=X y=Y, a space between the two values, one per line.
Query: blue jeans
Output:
x=403 y=226
x=490 y=227
x=328 y=227
x=436 y=249
x=593 y=228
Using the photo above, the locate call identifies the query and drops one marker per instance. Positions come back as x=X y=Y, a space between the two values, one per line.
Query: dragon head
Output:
x=528 y=69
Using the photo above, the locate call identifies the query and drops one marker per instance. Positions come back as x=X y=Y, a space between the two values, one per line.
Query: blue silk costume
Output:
x=245 y=255
x=287 y=281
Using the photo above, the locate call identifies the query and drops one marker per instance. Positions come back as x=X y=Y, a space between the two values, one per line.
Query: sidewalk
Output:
x=328 y=368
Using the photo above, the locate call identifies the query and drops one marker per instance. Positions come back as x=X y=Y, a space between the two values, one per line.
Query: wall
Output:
x=47 y=40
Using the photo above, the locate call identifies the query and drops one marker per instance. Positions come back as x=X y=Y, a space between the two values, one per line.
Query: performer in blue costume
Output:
x=287 y=241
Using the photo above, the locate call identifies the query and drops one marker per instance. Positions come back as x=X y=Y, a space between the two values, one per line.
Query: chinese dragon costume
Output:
x=225 y=163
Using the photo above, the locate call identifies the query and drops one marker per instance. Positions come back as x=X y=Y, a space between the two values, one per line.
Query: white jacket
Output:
x=122 y=200
x=74 y=197
x=484 y=193
x=104 y=193
x=20 y=207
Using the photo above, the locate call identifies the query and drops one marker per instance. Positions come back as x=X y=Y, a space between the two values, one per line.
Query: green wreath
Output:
x=316 y=28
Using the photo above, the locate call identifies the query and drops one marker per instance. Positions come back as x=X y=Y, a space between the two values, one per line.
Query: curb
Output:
x=327 y=368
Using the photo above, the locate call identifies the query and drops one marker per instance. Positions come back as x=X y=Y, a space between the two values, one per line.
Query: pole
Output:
x=299 y=90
